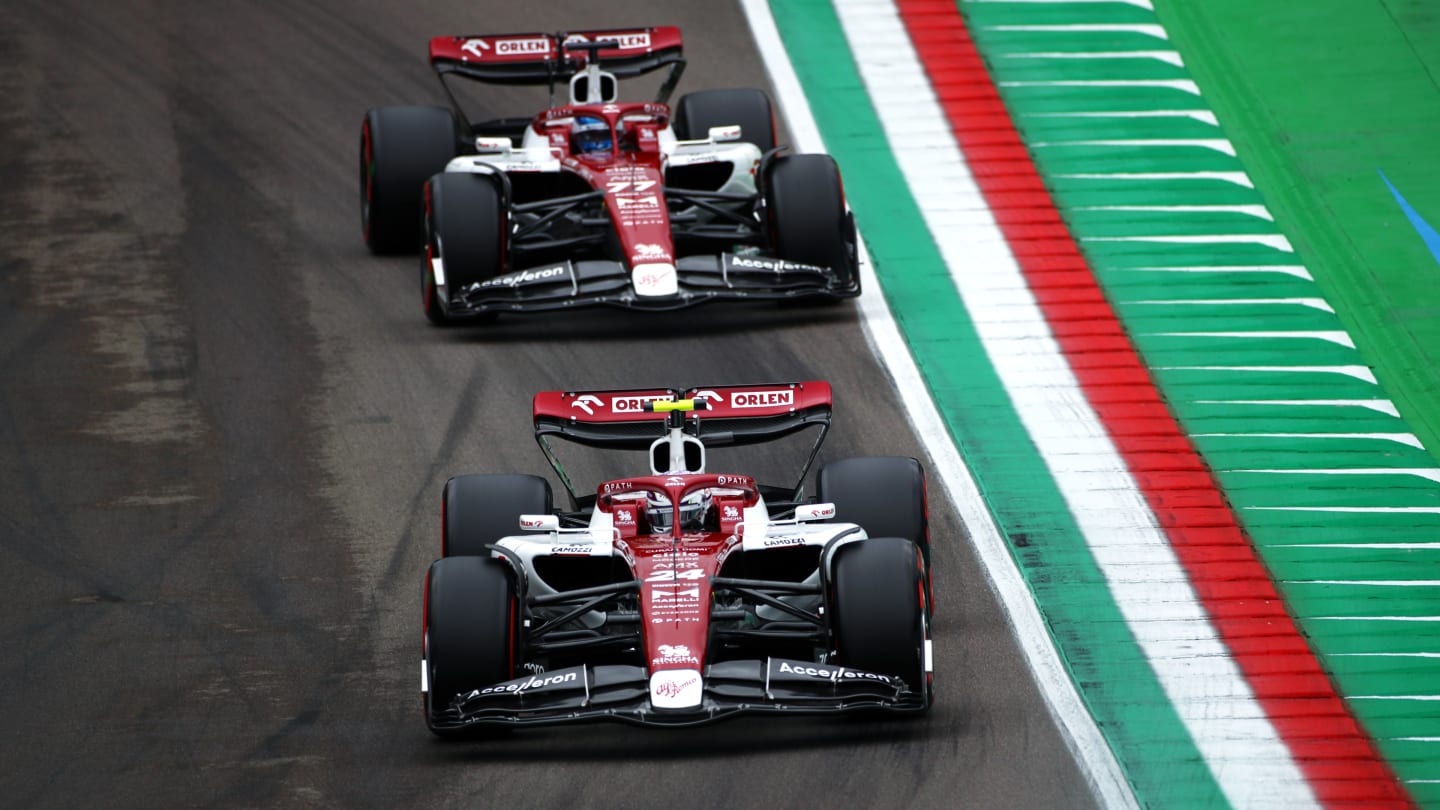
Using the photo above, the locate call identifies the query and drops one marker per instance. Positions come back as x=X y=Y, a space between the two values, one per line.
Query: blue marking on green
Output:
x=1427 y=233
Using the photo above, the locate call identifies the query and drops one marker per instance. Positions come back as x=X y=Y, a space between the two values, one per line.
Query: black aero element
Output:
x=465 y=229
x=697 y=112
x=875 y=611
x=807 y=217
x=480 y=509
x=400 y=147
x=885 y=495
x=469 y=632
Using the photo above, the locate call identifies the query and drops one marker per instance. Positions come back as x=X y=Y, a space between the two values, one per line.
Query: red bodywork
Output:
x=632 y=176
x=675 y=566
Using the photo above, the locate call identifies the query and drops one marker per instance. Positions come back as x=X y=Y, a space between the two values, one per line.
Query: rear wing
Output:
x=736 y=415
x=540 y=58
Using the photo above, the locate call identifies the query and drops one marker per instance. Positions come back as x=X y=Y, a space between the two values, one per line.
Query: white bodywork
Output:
x=536 y=155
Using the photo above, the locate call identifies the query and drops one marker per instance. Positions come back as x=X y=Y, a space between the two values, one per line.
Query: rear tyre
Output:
x=400 y=147
x=464 y=231
x=885 y=495
x=878 y=611
x=477 y=510
x=807 y=217
x=471 y=625
x=697 y=112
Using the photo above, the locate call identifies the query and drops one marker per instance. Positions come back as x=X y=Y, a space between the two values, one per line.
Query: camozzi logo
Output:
x=762 y=399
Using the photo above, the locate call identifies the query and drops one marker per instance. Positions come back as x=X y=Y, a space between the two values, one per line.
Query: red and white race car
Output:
x=682 y=596
x=600 y=202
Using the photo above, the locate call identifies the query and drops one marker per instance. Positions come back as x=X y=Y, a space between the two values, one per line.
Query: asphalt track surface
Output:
x=224 y=428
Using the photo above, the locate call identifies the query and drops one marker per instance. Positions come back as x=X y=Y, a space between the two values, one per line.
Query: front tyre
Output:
x=464 y=232
x=877 y=610
x=807 y=217
x=471 y=632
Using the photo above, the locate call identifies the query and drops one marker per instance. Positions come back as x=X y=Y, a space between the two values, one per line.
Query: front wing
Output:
x=701 y=279
x=621 y=693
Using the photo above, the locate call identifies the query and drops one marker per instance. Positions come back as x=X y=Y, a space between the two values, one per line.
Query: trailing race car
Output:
x=682 y=596
x=599 y=202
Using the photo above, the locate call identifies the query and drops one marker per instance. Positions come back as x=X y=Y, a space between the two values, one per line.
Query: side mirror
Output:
x=540 y=523
x=492 y=146
x=725 y=134
x=814 y=511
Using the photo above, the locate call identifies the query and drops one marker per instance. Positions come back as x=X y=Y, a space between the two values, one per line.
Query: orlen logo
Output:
x=762 y=399
x=531 y=523
x=522 y=47
x=634 y=404
x=632 y=41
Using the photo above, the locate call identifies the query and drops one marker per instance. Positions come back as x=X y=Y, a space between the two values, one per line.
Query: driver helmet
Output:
x=693 y=508
x=590 y=137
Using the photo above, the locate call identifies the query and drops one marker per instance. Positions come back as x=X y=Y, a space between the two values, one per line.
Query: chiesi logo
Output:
x=645 y=250
x=534 y=683
x=762 y=399
x=833 y=674
x=526 y=277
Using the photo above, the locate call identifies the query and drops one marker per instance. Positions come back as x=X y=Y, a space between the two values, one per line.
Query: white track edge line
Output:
x=1088 y=746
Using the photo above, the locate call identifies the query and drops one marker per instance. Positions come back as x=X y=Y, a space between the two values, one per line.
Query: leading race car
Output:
x=682 y=596
x=599 y=202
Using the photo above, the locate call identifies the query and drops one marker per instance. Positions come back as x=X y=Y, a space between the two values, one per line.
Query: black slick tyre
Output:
x=885 y=495
x=471 y=631
x=400 y=147
x=477 y=510
x=464 y=231
x=746 y=107
x=877 y=610
x=807 y=218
